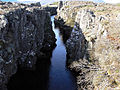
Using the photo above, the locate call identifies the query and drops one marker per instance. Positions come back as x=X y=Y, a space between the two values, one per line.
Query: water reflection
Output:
x=60 y=78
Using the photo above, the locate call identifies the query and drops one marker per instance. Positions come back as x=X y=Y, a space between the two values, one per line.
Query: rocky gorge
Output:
x=88 y=32
x=93 y=51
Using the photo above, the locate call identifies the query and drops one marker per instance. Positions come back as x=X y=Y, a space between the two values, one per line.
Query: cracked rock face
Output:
x=76 y=43
x=23 y=33
x=94 y=46
x=79 y=41
x=100 y=30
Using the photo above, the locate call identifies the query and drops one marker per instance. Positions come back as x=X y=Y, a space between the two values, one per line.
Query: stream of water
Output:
x=49 y=74
x=60 y=77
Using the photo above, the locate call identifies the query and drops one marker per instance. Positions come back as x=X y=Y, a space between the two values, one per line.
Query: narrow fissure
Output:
x=60 y=77
x=50 y=73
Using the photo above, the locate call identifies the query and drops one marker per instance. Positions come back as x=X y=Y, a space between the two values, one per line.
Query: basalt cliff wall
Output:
x=52 y=9
x=25 y=34
x=93 y=47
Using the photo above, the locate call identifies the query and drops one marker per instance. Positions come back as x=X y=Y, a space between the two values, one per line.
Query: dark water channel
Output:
x=50 y=75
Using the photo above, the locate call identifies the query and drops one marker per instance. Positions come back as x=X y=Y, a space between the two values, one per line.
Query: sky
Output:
x=46 y=1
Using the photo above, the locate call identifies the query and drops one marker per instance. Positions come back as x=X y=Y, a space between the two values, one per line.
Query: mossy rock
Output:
x=67 y=6
x=55 y=3
x=70 y=22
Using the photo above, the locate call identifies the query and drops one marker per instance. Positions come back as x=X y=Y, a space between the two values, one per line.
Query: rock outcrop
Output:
x=66 y=13
x=77 y=44
x=25 y=33
x=35 y=4
x=52 y=9
x=80 y=44
x=93 y=47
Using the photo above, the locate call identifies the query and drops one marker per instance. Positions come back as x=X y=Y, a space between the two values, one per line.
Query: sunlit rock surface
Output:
x=94 y=46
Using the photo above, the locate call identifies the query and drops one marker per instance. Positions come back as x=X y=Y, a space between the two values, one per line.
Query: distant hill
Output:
x=43 y=2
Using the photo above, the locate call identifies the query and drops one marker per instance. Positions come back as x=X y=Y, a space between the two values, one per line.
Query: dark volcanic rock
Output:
x=51 y=9
x=64 y=29
x=60 y=5
x=35 y=4
x=77 y=44
x=23 y=33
